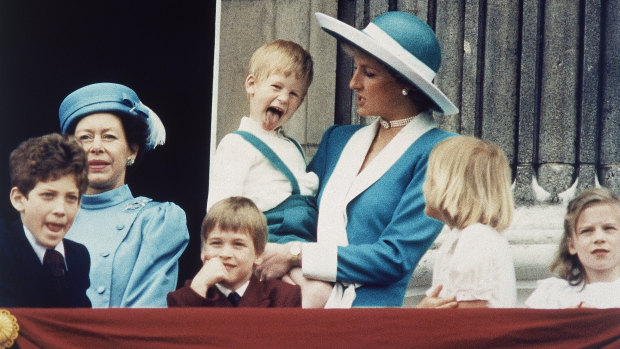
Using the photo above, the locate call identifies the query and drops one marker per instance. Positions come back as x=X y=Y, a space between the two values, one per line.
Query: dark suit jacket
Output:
x=23 y=282
x=259 y=294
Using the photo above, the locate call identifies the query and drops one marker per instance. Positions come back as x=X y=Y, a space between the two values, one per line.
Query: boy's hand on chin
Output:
x=212 y=272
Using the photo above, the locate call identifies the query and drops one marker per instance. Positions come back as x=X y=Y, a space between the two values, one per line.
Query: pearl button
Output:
x=100 y=289
x=120 y=227
x=104 y=254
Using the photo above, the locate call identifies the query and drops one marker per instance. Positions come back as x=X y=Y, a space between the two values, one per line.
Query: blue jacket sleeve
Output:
x=164 y=238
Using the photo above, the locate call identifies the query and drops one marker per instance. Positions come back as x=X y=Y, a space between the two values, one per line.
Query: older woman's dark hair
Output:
x=46 y=158
x=136 y=130
x=565 y=264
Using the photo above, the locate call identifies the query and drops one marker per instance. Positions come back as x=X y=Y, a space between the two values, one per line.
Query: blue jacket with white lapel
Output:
x=387 y=229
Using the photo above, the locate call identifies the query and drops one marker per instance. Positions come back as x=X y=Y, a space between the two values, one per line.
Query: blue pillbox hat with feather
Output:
x=111 y=98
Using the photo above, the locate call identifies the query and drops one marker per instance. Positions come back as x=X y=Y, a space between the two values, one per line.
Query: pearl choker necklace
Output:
x=395 y=123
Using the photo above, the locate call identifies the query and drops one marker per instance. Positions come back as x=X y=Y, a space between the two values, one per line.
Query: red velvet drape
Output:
x=297 y=328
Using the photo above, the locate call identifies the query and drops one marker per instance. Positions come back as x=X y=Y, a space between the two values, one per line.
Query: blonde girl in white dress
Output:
x=468 y=188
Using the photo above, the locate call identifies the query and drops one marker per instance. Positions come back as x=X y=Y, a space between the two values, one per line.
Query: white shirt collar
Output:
x=240 y=290
x=40 y=249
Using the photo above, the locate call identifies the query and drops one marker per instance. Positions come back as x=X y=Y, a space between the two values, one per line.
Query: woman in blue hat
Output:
x=134 y=242
x=372 y=229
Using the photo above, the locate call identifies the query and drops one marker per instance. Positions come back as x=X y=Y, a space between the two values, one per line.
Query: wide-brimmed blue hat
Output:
x=110 y=98
x=404 y=43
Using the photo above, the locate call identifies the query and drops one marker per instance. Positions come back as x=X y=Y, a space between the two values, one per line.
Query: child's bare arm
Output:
x=434 y=301
x=314 y=293
x=473 y=304
x=276 y=263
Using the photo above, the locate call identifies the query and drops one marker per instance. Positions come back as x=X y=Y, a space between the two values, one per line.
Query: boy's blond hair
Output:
x=236 y=214
x=281 y=57
x=468 y=181
x=566 y=265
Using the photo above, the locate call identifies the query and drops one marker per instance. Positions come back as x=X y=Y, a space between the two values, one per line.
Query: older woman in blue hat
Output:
x=134 y=242
x=372 y=229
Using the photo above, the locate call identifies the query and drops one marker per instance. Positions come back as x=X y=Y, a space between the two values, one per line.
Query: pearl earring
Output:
x=404 y=92
x=130 y=162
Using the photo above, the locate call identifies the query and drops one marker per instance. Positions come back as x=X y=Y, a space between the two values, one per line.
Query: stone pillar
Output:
x=609 y=172
x=528 y=104
x=558 y=119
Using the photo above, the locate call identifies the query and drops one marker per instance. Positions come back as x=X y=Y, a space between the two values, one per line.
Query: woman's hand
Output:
x=434 y=301
x=275 y=261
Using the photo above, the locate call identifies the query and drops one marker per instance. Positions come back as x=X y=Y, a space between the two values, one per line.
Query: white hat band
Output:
x=386 y=41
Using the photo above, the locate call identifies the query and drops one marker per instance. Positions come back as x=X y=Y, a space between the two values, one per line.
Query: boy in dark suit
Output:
x=38 y=267
x=234 y=235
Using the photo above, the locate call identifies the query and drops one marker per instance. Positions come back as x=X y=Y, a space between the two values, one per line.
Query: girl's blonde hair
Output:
x=281 y=57
x=566 y=265
x=468 y=182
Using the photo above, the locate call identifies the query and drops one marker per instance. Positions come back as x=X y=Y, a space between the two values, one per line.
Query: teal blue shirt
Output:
x=134 y=246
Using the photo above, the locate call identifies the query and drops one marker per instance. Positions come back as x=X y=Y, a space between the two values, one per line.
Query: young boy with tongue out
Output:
x=260 y=162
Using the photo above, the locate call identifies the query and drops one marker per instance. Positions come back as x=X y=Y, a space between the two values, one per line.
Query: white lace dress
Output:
x=556 y=293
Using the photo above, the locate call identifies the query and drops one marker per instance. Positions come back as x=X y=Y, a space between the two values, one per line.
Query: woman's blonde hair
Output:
x=468 y=182
x=566 y=265
x=282 y=57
